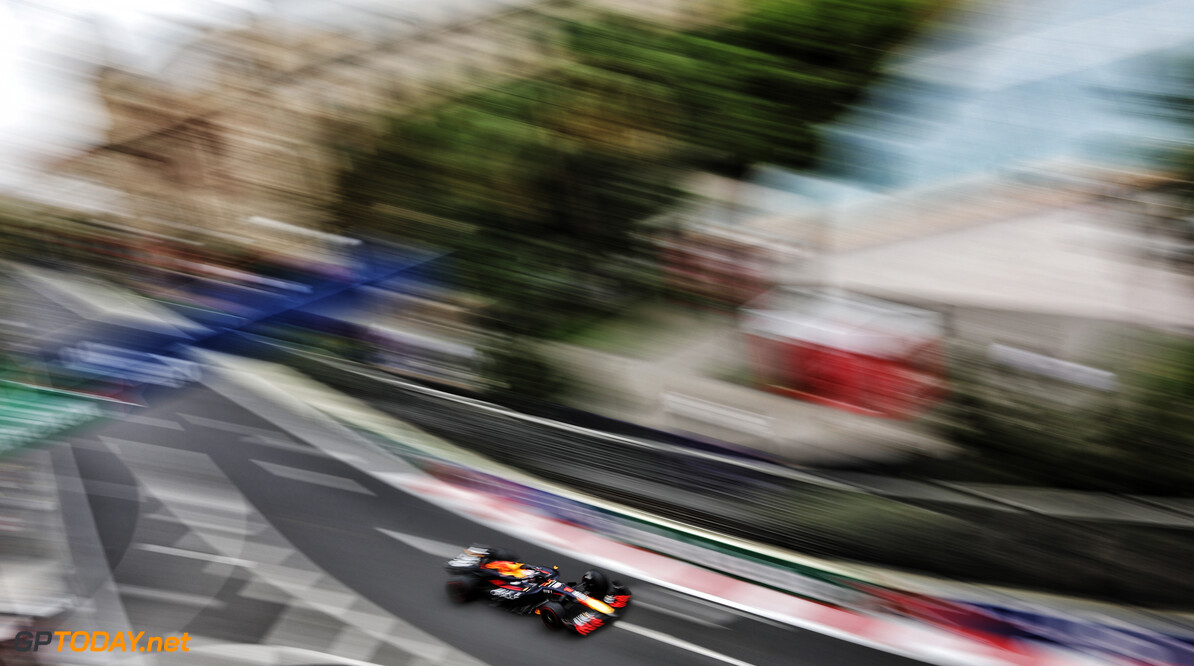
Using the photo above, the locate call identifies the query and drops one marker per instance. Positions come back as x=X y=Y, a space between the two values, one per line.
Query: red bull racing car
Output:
x=481 y=572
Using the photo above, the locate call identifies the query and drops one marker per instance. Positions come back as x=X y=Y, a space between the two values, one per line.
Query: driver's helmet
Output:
x=533 y=572
x=477 y=550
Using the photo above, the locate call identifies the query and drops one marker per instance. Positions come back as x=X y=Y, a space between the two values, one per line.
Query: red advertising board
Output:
x=864 y=355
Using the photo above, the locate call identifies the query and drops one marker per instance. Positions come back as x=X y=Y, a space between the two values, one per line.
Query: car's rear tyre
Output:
x=594 y=583
x=463 y=589
x=552 y=615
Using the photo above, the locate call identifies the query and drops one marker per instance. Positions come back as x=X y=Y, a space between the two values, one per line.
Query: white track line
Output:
x=684 y=645
x=167 y=596
x=227 y=426
x=309 y=476
x=196 y=555
x=151 y=421
x=678 y=614
x=429 y=546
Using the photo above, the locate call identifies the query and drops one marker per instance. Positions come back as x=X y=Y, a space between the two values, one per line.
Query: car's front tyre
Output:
x=594 y=583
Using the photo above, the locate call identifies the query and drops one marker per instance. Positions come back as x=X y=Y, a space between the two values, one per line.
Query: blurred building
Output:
x=996 y=176
x=256 y=121
x=715 y=265
x=248 y=123
x=734 y=240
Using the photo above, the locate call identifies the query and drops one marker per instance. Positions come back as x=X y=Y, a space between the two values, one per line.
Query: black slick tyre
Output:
x=594 y=583
x=552 y=615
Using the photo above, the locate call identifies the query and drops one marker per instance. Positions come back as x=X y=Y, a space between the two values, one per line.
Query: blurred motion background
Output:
x=938 y=251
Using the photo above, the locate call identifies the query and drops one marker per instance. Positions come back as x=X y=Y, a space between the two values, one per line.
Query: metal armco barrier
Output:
x=936 y=530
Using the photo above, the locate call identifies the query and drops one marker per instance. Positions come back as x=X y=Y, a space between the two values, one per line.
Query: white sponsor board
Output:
x=1055 y=368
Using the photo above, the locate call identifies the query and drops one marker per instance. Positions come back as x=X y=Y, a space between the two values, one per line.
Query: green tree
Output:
x=537 y=187
x=1138 y=439
x=516 y=369
x=1154 y=434
x=758 y=88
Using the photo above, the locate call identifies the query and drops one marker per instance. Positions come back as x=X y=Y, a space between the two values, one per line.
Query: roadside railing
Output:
x=938 y=529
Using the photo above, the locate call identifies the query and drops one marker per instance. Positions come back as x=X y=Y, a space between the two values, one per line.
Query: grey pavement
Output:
x=34 y=560
x=198 y=557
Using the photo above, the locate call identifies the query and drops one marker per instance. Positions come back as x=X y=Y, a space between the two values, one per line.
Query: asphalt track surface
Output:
x=334 y=515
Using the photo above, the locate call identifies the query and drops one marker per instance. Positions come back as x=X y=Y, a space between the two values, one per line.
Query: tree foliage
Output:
x=1138 y=439
x=758 y=88
x=538 y=186
x=515 y=369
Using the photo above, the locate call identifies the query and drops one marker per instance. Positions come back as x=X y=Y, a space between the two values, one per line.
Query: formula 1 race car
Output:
x=496 y=574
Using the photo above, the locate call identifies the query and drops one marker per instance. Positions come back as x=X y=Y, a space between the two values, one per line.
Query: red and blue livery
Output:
x=592 y=603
